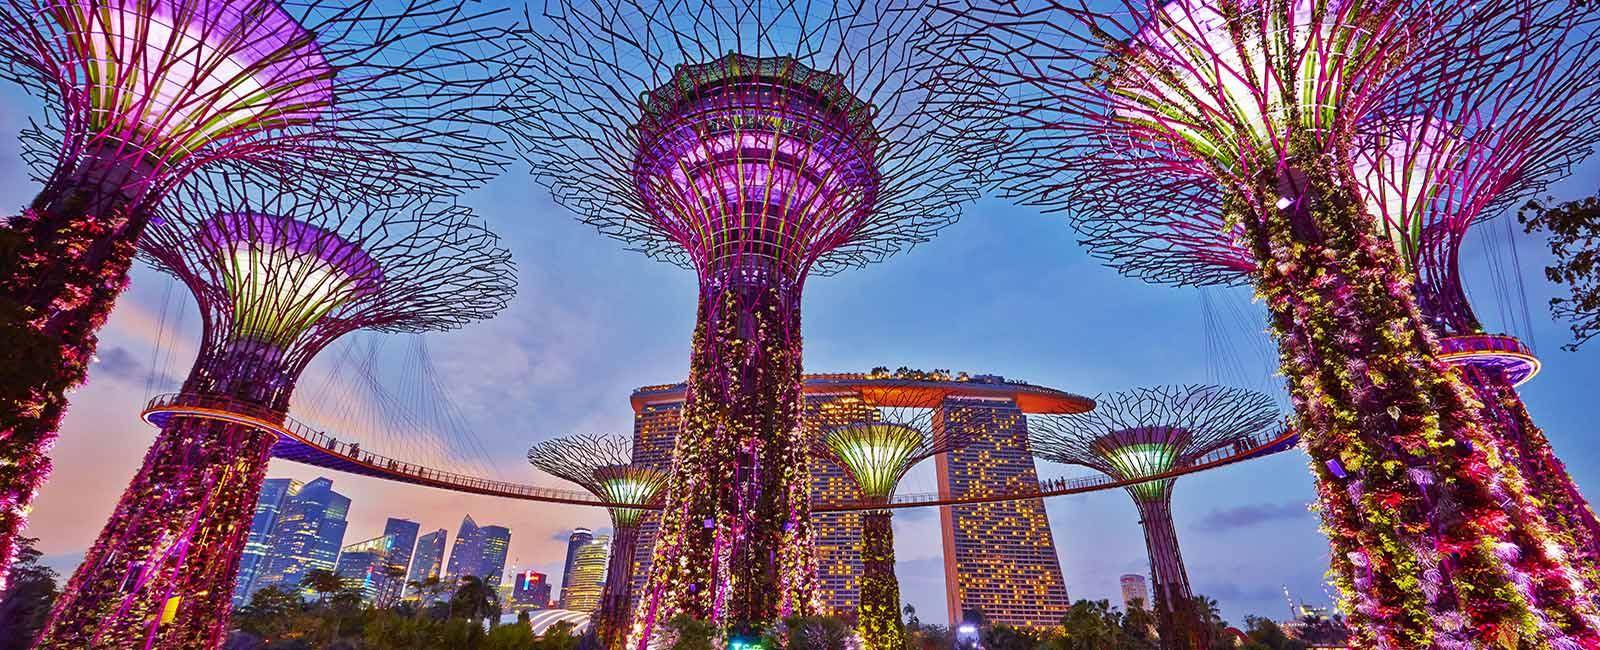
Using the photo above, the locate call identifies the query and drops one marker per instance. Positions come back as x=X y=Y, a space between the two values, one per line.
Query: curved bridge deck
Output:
x=303 y=444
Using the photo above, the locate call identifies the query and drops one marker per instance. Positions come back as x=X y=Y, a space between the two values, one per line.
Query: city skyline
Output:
x=546 y=362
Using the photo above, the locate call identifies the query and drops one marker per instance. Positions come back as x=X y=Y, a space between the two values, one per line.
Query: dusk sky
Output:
x=1005 y=291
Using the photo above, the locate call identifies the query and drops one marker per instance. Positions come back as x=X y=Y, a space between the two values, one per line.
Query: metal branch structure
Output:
x=1231 y=141
x=277 y=278
x=756 y=142
x=141 y=94
x=603 y=465
x=1148 y=432
x=876 y=454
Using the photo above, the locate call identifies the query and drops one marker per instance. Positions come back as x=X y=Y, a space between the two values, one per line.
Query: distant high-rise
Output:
x=428 y=559
x=530 y=590
x=1134 y=588
x=308 y=536
x=1000 y=557
x=492 y=556
x=588 y=576
x=275 y=494
x=575 y=541
x=404 y=532
x=466 y=552
x=363 y=565
x=479 y=551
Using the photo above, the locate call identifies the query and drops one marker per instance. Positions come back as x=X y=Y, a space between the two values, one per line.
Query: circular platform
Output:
x=1497 y=352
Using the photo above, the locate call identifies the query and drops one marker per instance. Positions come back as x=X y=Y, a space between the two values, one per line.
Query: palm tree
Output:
x=322 y=582
x=391 y=575
x=427 y=591
x=474 y=600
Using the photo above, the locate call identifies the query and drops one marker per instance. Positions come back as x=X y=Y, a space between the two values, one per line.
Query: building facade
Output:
x=492 y=556
x=1134 y=588
x=479 y=551
x=404 y=533
x=1020 y=569
x=999 y=558
x=428 y=559
x=530 y=590
x=308 y=536
x=588 y=576
x=275 y=493
x=577 y=540
x=363 y=566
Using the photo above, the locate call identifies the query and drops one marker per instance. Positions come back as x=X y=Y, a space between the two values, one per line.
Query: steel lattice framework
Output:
x=1149 y=432
x=876 y=454
x=756 y=142
x=1223 y=141
x=141 y=94
x=603 y=465
x=277 y=279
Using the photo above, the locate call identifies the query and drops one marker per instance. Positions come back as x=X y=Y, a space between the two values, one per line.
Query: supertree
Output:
x=277 y=278
x=756 y=142
x=875 y=454
x=140 y=94
x=1209 y=127
x=1146 y=433
x=603 y=465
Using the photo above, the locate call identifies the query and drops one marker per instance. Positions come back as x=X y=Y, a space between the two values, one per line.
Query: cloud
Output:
x=1255 y=514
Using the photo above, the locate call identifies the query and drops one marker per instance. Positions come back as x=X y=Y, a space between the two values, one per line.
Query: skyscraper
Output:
x=530 y=590
x=479 y=551
x=466 y=552
x=362 y=567
x=404 y=532
x=496 y=541
x=575 y=541
x=1000 y=557
x=428 y=558
x=308 y=535
x=275 y=494
x=588 y=576
x=1134 y=588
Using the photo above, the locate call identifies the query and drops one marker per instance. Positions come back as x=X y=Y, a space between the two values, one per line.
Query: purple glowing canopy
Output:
x=170 y=76
x=284 y=275
x=747 y=160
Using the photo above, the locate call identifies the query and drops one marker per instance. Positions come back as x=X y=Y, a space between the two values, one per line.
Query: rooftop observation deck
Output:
x=873 y=386
x=304 y=444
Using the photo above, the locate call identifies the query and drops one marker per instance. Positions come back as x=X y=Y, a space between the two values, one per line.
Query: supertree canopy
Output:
x=756 y=142
x=277 y=278
x=140 y=94
x=876 y=454
x=1147 y=433
x=603 y=465
x=1236 y=125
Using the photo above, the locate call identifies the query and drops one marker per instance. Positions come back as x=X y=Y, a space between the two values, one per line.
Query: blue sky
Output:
x=1006 y=291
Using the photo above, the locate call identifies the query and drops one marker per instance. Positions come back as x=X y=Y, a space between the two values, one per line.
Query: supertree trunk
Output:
x=735 y=546
x=161 y=573
x=1434 y=544
x=63 y=263
x=878 y=618
x=1566 y=511
x=1179 y=621
x=612 y=621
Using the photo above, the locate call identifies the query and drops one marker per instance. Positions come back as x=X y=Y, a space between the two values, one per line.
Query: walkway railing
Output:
x=327 y=451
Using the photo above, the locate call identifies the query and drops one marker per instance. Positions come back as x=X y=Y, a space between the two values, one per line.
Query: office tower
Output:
x=428 y=559
x=1000 y=557
x=308 y=536
x=404 y=532
x=1134 y=588
x=275 y=494
x=588 y=576
x=466 y=552
x=363 y=566
x=577 y=540
x=530 y=590
x=495 y=543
